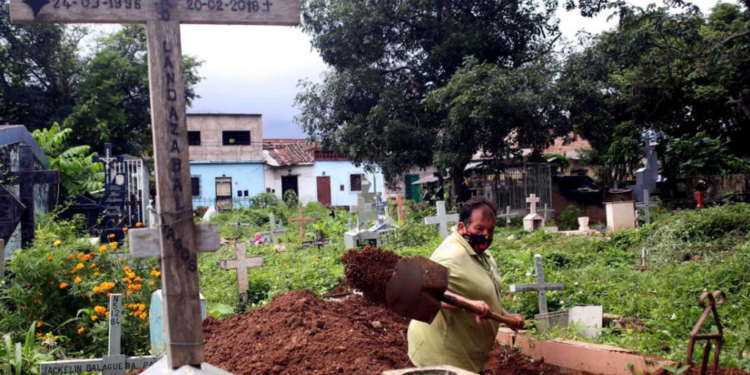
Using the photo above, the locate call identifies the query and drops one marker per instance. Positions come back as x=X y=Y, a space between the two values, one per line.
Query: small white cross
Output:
x=241 y=262
x=441 y=219
x=533 y=199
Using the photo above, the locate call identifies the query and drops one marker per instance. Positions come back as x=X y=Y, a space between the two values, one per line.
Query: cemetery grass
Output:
x=692 y=252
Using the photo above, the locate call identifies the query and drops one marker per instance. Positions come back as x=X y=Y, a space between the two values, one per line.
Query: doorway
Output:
x=289 y=183
x=324 y=190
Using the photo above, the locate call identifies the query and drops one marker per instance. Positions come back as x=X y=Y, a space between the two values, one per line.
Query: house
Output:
x=226 y=158
x=339 y=181
x=414 y=184
x=290 y=166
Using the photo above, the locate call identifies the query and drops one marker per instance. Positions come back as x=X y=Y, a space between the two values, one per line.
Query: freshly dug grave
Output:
x=369 y=271
x=298 y=333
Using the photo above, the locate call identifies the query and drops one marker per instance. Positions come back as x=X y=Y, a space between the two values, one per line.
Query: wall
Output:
x=340 y=172
x=211 y=127
x=245 y=176
x=306 y=182
x=399 y=188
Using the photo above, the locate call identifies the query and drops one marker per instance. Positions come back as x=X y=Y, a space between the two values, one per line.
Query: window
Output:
x=235 y=138
x=195 y=185
x=355 y=182
x=194 y=138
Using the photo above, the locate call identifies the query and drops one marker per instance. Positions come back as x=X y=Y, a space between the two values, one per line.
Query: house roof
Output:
x=280 y=155
x=10 y=134
x=571 y=150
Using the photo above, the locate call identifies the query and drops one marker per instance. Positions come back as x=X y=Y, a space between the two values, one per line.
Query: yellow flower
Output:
x=63 y=285
x=112 y=235
x=142 y=307
x=79 y=266
x=137 y=287
x=80 y=256
x=144 y=315
x=125 y=229
x=137 y=279
x=129 y=292
x=106 y=314
x=38 y=324
x=88 y=256
x=80 y=330
x=77 y=280
x=122 y=260
x=57 y=243
x=38 y=334
x=102 y=248
x=151 y=283
x=113 y=245
x=100 y=309
x=69 y=257
x=97 y=290
x=96 y=273
x=49 y=258
x=138 y=224
x=93 y=265
x=131 y=275
x=94 y=317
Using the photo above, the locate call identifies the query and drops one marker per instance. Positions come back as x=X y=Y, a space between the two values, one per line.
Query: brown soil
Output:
x=696 y=370
x=369 y=270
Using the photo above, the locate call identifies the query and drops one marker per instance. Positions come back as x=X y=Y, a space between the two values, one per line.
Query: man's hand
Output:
x=520 y=323
x=484 y=307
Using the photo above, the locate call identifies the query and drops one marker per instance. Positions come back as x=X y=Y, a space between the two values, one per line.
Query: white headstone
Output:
x=588 y=319
x=441 y=219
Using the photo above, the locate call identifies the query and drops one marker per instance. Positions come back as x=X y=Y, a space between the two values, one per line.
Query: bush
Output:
x=568 y=219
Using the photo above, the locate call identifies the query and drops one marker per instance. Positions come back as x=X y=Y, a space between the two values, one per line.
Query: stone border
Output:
x=581 y=356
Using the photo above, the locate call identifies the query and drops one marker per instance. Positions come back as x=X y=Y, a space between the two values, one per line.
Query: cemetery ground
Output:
x=54 y=299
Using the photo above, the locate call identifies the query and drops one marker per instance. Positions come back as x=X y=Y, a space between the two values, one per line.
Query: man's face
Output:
x=482 y=222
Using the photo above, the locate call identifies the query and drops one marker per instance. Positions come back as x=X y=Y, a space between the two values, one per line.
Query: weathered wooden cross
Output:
x=26 y=177
x=274 y=230
x=540 y=287
x=441 y=219
x=177 y=239
x=646 y=205
x=113 y=363
x=319 y=241
x=302 y=219
x=507 y=215
x=400 y=204
x=644 y=259
x=241 y=262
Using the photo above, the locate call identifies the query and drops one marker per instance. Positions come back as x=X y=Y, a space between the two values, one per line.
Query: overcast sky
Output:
x=259 y=71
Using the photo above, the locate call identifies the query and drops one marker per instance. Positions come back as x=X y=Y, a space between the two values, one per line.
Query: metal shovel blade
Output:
x=416 y=288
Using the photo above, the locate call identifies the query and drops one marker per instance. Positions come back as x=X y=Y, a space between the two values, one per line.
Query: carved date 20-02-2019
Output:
x=249 y=6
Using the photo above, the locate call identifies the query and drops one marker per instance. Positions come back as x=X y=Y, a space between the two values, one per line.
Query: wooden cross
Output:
x=26 y=177
x=644 y=256
x=540 y=287
x=302 y=219
x=507 y=215
x=273 y=232
x=113 y=363
x=545 y=211
x=441 y=219
x=646 y=205
x=182 y=324
x=240 y=224
x=241 y=262
x=400 y=204
x=533 y=199
x=318 y=241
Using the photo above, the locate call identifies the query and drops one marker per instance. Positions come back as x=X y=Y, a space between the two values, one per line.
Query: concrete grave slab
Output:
x=589 y=318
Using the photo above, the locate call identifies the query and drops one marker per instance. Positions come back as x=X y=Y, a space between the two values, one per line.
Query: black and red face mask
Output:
x=478 y=242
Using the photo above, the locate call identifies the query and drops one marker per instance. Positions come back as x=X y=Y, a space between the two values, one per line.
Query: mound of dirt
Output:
x=298 y=333
x=369 y=271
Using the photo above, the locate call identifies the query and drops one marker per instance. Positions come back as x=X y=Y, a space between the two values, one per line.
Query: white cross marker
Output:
x=441 y=219
x=241 y=262
x=533 y=199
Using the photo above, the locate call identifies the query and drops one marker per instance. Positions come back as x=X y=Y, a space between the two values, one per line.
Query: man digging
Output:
x=456 y=337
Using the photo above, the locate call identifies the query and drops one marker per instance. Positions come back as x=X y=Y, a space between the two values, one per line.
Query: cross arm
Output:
x=536 y=287
x=248 y=12
x=145 y=242
x=234 y=263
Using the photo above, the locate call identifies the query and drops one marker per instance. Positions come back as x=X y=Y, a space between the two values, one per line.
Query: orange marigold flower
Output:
x=125 y=229
x=38 y=324
x=109 y=294
x=151 y=283
x=88 y=256
x=94 y=317
x=38 y=334
x=129 y=292
x=24 y=308
x=102 y=248
x=63 y=285
x=112 y=235
x=137 y=279
x=77 y=280
x=97 y=290
x=96 y=273
x=80 y=256
x=106 y=314
x=79 y=266
x=122 y=260
x=142 y=307
x=93 y=265
x=100 y=309
x=113 y=245
x=49 y=258
x=80 y=330
x=69 y=257
x=144 y=315
x=138 y=224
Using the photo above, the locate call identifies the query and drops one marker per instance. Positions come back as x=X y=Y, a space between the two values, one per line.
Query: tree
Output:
x=387 y=56
x=112 y=98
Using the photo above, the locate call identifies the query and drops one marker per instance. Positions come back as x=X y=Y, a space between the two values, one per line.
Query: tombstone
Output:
x=588 y=319
x=364 y=210
x=646 y=205
x=532 y=221
x=156 y=320
x=275 y=231
x=618 y=205
x=441 y=219
x=319 y=241
x=644 y=261
x=241 y=263
x=113 y=363
x=11 y=211
x=115 y=193
x=302 y=219
x=507 y=215
x=545 y=319
x=176 y=233
x=26 y=178
x=358 y=239
x=646 y=177
x=380 y=205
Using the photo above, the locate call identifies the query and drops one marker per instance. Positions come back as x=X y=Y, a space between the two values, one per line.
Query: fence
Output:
x=514 y=184
x=719 y=189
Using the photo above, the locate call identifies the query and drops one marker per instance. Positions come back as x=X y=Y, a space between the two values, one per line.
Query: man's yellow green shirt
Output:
x=454 y=337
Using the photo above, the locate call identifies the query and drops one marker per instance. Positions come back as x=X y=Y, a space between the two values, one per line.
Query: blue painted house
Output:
x=226 y=158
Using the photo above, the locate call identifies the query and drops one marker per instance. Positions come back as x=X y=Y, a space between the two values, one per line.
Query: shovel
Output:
x=418 y=287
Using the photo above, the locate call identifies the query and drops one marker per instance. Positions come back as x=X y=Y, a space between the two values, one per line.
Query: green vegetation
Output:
x=659 y=307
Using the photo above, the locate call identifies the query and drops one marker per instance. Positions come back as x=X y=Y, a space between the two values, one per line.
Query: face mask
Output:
x=478 y=242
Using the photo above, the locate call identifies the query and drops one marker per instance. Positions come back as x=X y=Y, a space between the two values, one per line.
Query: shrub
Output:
x=568 y=219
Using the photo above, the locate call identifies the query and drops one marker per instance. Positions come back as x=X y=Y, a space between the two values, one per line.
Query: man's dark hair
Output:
x=476 y=203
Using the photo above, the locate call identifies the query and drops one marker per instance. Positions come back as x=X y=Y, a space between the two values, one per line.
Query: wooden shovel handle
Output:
x=510 y=322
